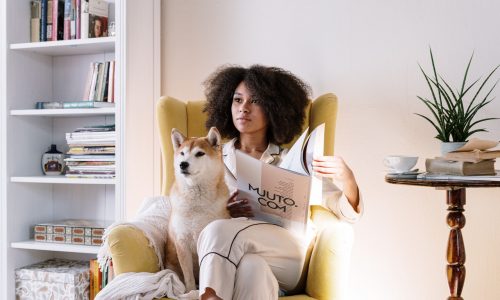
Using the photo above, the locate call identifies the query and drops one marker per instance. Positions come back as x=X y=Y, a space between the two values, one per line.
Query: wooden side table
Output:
x=455 y=198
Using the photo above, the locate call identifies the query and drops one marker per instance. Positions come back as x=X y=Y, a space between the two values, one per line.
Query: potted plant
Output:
x=454 y=110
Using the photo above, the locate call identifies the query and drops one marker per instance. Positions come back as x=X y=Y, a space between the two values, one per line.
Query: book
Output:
x=78 y=17
x=67 y=19
x=88 y=82
x=35 y=20
x=43 y=20
x=280 y=194
x=87 y=104
x=429 y=176
x=84 y=19
x=49 y=19
x=449 y=167
x=72 y=27
x=475 y=150
x=472 y=156
x=97 y=19
x=72 y=104
x=57 y=20
x=111 y=82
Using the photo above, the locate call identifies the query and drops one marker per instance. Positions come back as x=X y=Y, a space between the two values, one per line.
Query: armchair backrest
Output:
x=190 y=119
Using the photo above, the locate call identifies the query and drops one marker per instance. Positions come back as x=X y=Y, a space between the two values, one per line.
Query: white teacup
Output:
x=400 y=163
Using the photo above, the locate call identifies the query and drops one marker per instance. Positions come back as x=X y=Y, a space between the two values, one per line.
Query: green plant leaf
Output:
x=482 y=85
x=466 y=72
x=441 y=135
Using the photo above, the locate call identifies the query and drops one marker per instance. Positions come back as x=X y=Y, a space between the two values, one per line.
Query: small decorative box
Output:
x=53 y=279
x=71 y=231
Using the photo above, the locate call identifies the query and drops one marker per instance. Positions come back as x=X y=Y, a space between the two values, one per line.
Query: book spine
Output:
x=104 y=91
x=79 y=104
x=111 y=83
x=35 y=21
x=100 y=80
x=84 y=19
x=54 y=12
x=43 y=21
x=60 y=20
x=86 y=91
x=73 y=20
x=50 y=19
x=93 y=85
x=67 y=19
x=78 y=19
x=440 y=166
x=91 y=278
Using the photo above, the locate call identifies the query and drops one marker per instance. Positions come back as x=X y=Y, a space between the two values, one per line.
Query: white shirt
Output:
x=331 y=198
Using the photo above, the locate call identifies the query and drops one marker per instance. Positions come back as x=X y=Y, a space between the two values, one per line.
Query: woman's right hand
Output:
x=238 y=207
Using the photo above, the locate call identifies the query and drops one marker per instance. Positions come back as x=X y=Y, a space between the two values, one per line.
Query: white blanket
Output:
x=152 y=220
x=142 y=286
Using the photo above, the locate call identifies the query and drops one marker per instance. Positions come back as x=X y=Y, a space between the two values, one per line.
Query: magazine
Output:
x=280 y=194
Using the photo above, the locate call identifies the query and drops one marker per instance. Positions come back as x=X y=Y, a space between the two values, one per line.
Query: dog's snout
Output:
x=184 y=165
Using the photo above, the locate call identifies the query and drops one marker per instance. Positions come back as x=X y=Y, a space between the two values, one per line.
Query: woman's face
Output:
x=248 y=114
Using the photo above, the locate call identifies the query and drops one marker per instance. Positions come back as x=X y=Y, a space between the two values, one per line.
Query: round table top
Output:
x=443 y=183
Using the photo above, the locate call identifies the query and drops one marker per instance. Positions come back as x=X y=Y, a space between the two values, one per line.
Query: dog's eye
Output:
x=182 y=153
x=199 y=154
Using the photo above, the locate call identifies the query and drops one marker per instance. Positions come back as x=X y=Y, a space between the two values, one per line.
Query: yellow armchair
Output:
x=328 y=270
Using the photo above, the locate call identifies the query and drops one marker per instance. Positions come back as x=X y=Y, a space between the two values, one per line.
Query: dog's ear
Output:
x=177 y=138
x=214 y=137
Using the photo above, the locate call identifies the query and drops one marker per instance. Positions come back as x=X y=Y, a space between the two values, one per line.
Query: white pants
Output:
x=247 y=259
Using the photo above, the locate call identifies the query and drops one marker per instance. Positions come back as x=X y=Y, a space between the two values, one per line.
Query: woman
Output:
x=261 y=108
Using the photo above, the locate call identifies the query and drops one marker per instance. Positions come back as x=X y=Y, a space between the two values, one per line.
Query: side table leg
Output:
x=455 y=269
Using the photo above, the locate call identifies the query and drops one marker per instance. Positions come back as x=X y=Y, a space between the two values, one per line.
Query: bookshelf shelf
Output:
x=61 y=180
x=69 y=47
x=32 y=245
x=68 y=112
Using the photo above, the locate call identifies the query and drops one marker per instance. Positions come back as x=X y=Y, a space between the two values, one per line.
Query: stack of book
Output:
x=77 y=232
x=98 y=277
x=91 y=152
x=100 y=84
x=53 y=20
x=475 y=158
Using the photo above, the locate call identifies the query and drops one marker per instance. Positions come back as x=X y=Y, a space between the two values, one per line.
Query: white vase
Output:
x=450 y=146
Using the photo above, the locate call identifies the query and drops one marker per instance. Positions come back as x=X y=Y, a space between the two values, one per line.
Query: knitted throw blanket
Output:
x=152 y=220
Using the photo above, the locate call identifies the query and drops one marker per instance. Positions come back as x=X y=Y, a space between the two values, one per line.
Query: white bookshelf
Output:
x=50 y=71
x=55 y=247
x=68 y=112
x=69 y=47
x=57 y=71
x=61 y=179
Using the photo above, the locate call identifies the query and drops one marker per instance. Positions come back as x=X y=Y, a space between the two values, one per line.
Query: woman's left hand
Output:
x=333 y=167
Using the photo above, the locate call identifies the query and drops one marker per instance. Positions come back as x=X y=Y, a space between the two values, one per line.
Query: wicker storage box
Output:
x=53 y=279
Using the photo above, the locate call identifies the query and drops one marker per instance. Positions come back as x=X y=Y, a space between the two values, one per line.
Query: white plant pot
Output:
x=450 y=146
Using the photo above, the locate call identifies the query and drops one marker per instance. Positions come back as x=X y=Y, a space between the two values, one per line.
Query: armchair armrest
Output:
x=328 y=272
x=130 y=251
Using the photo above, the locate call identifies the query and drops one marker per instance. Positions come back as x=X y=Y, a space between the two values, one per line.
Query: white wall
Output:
x=142 y=154
x=366 y=52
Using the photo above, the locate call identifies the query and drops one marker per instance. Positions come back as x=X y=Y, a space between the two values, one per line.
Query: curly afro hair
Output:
x=283 y=96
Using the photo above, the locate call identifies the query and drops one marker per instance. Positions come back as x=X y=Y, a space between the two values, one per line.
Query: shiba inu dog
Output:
x=198 y=196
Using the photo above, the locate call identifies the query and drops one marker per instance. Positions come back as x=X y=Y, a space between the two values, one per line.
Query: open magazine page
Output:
x=276 y=195
x=293 y=159
x=300 y=156
x=314 y=146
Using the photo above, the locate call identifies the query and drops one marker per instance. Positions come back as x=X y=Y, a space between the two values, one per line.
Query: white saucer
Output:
x=410 y=172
